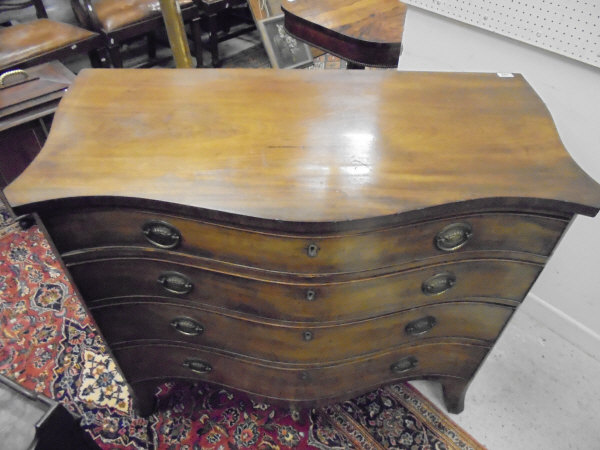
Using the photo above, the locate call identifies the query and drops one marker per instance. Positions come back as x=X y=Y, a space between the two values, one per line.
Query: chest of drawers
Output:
x=303 y=236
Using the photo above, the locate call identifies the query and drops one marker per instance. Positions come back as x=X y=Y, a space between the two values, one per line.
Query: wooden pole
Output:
x=176 y=33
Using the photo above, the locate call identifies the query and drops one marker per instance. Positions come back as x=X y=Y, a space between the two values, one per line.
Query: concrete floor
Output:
x=535 y=391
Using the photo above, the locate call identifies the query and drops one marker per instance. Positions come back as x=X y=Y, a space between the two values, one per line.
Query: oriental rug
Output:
x=49 y=344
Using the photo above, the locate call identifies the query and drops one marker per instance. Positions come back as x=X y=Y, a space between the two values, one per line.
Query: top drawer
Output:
x=305 y=254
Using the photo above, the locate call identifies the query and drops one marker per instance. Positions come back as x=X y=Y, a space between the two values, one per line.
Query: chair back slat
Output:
x=14 y=5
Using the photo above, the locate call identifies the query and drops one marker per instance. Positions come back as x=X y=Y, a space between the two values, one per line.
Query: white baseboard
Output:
x=576 y=333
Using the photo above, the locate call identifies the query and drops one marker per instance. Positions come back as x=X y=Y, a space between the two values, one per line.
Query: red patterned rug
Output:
x=49 y=344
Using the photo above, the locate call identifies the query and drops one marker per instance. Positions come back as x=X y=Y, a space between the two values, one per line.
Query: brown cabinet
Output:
x=306 y=244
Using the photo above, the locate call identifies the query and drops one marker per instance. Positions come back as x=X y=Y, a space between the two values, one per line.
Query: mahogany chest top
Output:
x=307 y=146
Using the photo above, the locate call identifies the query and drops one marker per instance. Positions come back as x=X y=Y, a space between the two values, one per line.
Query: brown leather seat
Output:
x=115 y=14
x=21 y=42
x=41 y=40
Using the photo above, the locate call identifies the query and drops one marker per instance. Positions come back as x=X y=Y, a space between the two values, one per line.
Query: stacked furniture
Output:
x=306 y=243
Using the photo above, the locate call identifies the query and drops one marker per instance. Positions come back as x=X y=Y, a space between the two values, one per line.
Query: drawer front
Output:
x=141 y=320
x=479 y=279
x=163 y=362
x=332 y=254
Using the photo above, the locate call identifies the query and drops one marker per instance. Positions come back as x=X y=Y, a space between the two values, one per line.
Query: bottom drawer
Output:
x=298 y=383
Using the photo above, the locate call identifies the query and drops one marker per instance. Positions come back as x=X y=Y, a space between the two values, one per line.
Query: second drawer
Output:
x=482 y=280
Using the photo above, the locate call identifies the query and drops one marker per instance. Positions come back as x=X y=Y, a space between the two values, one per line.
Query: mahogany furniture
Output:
x=308 y=242
x=363 y=32
x=28 y=100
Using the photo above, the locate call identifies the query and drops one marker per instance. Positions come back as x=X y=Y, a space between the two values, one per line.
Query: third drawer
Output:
x=129 y=321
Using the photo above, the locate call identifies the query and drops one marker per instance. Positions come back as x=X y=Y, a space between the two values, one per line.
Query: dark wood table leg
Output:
x=213 y=38
x=197 y=36
x=115 y=55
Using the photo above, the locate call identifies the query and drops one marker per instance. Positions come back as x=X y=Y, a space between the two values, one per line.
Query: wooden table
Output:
x=25 y=113
x=308 y=242
x=363 y=32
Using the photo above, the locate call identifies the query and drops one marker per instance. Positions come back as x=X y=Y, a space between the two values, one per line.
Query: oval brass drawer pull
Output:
x=187 y=326
x=197 y=366
x=454 y=236
x=175 y=283
x=420 y=326
x=404 y=365
x=438 y=283
x=161 y=234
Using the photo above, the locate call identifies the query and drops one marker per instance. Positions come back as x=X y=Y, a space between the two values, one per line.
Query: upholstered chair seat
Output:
x=120 y=21
x=115 y=14
x=26 y=42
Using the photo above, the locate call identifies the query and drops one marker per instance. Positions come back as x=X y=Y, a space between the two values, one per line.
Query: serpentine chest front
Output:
x=309 y=241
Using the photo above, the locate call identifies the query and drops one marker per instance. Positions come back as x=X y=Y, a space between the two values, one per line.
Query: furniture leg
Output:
x=151 y=42
x=197 y=37
x=454 y=394
x=99 y=58
x=144 y=398
x=353 y=65
x=213 y=39
x=115 y=56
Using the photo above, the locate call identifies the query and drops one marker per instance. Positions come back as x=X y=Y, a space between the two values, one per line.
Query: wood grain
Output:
x=317 y=147
x=106 y=281
x=139 y=320
x=309 y=384
x=366 y=32
x=365 y=188
x=345 y=252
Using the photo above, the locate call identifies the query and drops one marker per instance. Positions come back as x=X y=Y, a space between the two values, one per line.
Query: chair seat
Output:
x=115 y=14
x=22 y=42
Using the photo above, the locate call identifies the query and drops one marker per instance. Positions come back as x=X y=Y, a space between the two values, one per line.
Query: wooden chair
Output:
x=217 y=26
x=120 y=21
x=41 y=40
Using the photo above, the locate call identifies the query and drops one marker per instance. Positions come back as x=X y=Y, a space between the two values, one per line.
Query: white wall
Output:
x=567 y=295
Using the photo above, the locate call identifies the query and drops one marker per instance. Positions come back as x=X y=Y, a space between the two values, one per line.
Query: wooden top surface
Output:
x=303 y=146
x=365 y=32
x=380 y=21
